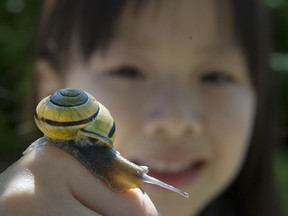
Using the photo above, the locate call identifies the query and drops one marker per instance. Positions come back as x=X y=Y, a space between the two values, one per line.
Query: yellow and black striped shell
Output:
x=71 y=113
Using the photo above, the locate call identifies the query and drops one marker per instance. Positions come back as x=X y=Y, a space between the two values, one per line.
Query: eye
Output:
x=127 y=72
x=217 y=77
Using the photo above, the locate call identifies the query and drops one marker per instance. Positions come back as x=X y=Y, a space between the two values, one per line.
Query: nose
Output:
x=173 y=115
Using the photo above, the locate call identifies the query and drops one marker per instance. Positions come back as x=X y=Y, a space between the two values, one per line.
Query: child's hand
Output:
x=49 y=181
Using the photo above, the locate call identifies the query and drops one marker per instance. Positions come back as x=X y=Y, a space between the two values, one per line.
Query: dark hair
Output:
x=93 y=22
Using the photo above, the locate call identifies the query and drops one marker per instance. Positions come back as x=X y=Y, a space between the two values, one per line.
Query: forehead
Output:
x=177 y=22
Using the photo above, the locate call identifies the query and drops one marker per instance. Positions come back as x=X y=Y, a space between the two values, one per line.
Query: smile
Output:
x=175 y=173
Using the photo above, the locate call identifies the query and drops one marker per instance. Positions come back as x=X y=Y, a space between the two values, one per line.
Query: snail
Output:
x=76 y=122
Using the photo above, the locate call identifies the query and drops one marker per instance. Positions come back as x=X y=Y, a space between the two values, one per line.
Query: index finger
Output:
x=96 y=195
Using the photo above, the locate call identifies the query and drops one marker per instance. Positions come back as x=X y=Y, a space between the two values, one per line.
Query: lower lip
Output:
x=178 y=179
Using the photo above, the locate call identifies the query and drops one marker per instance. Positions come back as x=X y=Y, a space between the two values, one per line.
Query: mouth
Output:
x=174 y=173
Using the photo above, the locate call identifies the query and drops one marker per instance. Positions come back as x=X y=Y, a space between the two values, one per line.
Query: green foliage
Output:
x=281 y=165
x=18 y=19
x=279 y=60
x=279 y=9
x=279 y=64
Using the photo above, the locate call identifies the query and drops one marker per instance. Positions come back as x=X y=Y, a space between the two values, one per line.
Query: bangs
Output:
x=90 y=24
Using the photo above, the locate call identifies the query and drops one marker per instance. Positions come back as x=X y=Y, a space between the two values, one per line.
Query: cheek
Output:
x=127 y=116
x=229 y=126
x=233 y=119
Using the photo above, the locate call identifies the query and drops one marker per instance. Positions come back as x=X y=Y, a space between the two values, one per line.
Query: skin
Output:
x=35 y=185
x=189 y=100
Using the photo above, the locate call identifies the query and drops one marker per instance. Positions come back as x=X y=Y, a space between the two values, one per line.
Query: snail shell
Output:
x=71 y=113
x=76 y=122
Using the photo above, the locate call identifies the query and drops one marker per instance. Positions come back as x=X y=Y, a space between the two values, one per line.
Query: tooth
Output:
x=167 y=167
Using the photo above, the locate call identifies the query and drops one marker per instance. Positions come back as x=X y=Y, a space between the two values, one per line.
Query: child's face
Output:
x=177 y=85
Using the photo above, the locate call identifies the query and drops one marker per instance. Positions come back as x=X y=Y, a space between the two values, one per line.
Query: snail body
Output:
x=76 y=122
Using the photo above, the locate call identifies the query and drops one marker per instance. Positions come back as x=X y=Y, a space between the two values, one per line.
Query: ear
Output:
x=47 y=79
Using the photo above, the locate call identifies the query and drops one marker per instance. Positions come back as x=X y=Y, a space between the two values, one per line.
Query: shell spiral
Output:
x=71 y=113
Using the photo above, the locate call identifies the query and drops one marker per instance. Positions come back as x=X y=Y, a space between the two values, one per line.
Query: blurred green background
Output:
x=18 y=21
